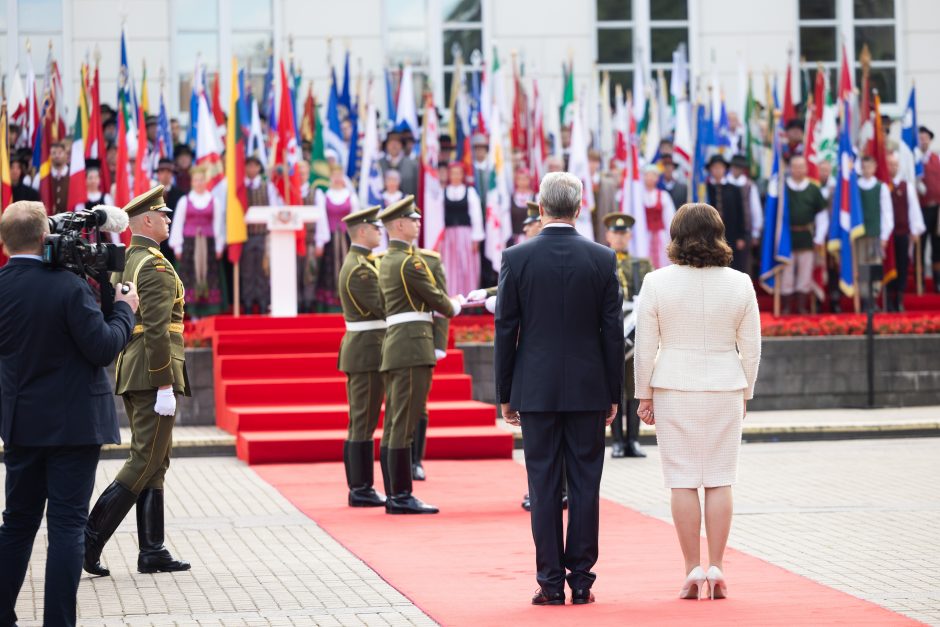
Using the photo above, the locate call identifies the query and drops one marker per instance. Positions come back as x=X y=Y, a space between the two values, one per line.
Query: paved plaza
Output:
x=861 y=516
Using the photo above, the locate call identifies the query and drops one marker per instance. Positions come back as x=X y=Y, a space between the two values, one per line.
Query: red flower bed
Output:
x=785 y=326
x=197 y=334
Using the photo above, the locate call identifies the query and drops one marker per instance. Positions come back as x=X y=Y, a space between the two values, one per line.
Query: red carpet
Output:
x=474 y=563
x=277 y=388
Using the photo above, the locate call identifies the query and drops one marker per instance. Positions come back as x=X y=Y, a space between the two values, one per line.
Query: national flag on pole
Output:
x=41 y=157
x=333 y=130
x=578 y=165
x=164 y=134
x=683 y=149
x=406 y=113
x=519 y=130
x=122 y=187
x=814 y=113
x=883 y=175
x=285 y=150
x=538 y=150
x=631 y=192
x=909 y=123
x=208 y=147
x=307 y=124
x=255 y=145
x=432 y=201
x=776 y=247
x=846 y=223
x=78 y=191
x=370 y=181
x=498 y=222
x=390 y=99
x=141 y=172
x=217 y=113
x=566 y=111
x=236 y=203
x=789 y=111
x=17 y=107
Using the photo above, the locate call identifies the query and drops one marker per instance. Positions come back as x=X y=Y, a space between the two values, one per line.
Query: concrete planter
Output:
x=199 y=409
x=808 y=372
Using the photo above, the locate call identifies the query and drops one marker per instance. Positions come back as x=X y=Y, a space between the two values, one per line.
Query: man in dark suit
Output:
x=56 y=408
x=559 y=371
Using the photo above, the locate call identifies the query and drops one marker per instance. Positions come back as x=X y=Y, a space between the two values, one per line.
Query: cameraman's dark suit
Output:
x=559 y=362
x=56 y=410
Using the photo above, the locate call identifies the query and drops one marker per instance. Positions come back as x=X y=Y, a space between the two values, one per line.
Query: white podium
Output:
x=283 y=224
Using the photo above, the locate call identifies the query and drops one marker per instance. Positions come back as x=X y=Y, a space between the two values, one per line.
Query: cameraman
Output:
x=56 y=408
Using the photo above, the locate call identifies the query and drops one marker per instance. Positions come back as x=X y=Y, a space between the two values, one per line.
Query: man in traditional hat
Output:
x=677 y=190
x=360 y=353
x=928 y=189
x=629 y=269
x=728 y=200
x=150 y=373
x=411 y=296
x=396 y=159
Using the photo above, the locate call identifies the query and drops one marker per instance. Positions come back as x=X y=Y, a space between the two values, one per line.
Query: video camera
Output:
x=74 y=244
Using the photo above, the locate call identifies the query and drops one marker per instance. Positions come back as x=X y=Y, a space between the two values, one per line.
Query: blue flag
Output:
x=846 y=224
x=390 y=99
x=333 y=133
x=345 y=100
x=723 y=129
x=704 y=140
x=776 y=247
x=164 y=136
x=267 y=99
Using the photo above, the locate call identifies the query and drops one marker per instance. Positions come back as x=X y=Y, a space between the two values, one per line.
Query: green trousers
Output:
x=406 y=397
x=151 y=441
x=365 y=391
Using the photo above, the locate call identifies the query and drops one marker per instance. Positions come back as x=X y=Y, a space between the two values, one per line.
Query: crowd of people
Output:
x=896 y=213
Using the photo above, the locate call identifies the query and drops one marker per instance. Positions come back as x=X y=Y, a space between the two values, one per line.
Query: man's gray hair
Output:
x=560 y=195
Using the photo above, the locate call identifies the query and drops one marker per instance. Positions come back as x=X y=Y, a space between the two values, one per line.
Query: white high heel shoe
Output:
x=717 y=587
x=692 y=588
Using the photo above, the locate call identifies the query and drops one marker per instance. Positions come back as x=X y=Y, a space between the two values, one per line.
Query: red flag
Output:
x=236 y=231
x=45 y=163
x=141 y=176
x=814 y=115
x=285 y=175
x=789 y=111
x=122 y=191
x=217 y=112
x=78 y=191
x=845 y=77
x=880 y=153
x=519 y=130
x=95 y=146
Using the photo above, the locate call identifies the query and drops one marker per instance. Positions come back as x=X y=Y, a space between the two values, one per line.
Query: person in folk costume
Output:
x=463 y=231
x=307 y=263
x=197 y=237
x=659 y=210
x=827 y=186
x=908 y=226
x=928 y=190
x=166 y=170
x=93 y=194
x=678 y=191
x=878 y=218
x=728 y=199
x=808 y=225
x=753 y=210
x=522 y=193
x=58 y=178
x=253 y=266
x=331 y=240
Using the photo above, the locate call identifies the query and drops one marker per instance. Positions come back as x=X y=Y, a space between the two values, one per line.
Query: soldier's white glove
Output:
x=439 y=354
x=166 y=402
x=476 y=295
x=490 y=304
x=456 y=304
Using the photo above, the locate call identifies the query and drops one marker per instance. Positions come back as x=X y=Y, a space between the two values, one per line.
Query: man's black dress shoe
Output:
x=582 y=596
x=617 y=450
x=526 y=503
x=548 y=598
x=634 y=450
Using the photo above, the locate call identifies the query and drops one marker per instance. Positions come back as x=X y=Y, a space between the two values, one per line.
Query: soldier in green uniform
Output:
x=150 y=372
x=360 y=353
x=411 y=295
x=441 y=326
x=618 y=238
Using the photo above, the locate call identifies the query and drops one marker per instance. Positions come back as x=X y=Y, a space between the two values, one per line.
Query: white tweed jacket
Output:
x=698 y=330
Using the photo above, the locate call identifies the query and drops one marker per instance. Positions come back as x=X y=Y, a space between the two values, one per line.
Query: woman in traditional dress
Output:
x=197 y=237
x=658 y=214
x=521 y=194
x=332 y=243
x=463 y=232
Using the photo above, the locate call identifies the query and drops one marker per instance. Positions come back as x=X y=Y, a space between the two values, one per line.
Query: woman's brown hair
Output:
x=698 y=237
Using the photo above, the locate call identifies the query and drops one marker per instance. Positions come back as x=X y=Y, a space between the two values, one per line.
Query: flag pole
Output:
x=778 y=272
x=918 y=266
x=237 y=288
x=856 y=297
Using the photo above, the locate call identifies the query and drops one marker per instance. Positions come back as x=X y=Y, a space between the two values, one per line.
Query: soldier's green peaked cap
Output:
x=404 y=208
x=532 y=212
x=151 y=200
x=618 y=222
x=366 y=216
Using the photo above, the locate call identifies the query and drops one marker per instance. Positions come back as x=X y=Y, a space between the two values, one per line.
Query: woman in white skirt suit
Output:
x=696 y=358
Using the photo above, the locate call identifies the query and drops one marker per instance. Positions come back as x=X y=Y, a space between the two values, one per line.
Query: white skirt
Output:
x=698 y=435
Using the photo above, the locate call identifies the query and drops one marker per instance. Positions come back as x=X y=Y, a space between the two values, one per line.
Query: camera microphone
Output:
x=110 y=219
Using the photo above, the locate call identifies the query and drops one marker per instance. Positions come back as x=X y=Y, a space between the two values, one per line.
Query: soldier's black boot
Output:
x=383 y=464
x=358 y=458
x=153 y=557
x=617 y=450
x=109 y=510
x=418 y=446
x=633 y=433
x=400 y=499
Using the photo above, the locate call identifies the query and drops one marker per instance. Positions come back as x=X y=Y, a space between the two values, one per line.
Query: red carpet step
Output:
x=277 y=388
x=474 y=563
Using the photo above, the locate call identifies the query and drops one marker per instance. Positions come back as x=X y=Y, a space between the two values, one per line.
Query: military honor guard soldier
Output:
x=150 y=373
x=411 y=294
x=360 y=353
x=618 y=238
